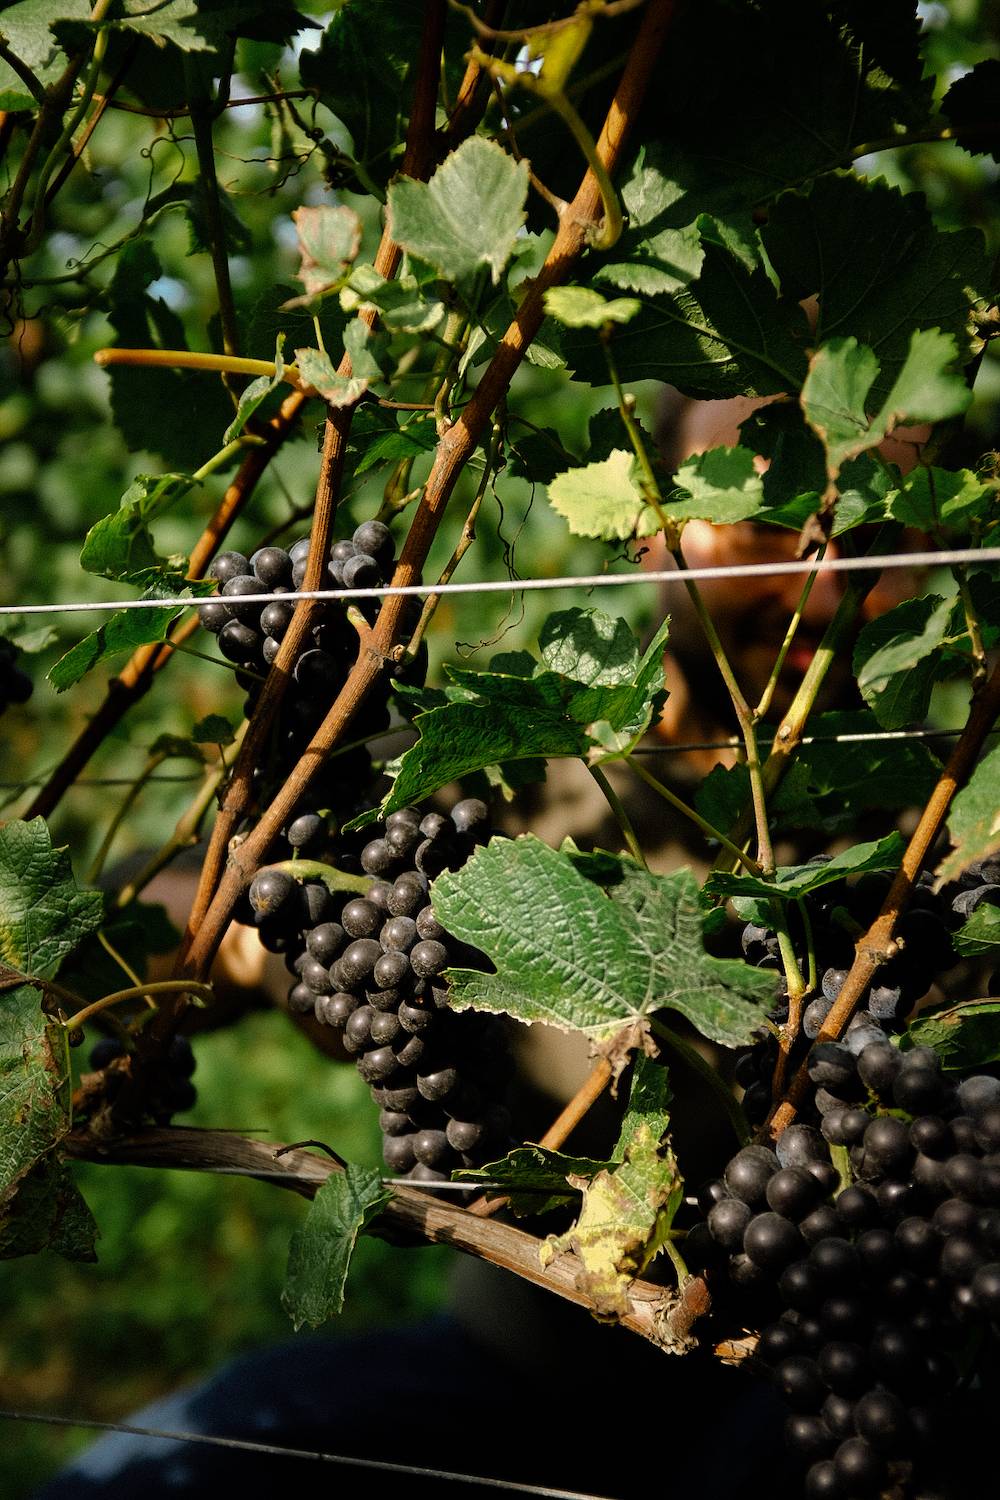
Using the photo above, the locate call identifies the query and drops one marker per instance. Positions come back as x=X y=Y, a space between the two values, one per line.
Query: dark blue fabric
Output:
x=429 y=1395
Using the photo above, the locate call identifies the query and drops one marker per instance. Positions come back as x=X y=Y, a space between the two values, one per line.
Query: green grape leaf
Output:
x=974 y=820
x=660 y=250
x=836 y=396
x=34 y=1088
x=583 y=307
x=536 y=456
x=48 y=1212
x=320 y=1251
x=980 y=934
x=177 y=22
x=794 y=881
x=213 y=729
x=401 y=304
x=591 y=957
x=964 y=1036
x=329 y=240
x=467 y=215
x=726 y=334
x=881 y=269
x=589 y=646
x=970 y=106
x=256 y=393
x=606 y=432
x=319 y=376
x=830 y=784
x=626 y=1213
x=937 y=500
x=43 y=914
x=123 y=631
x=360 y=70
x=191 y=409
x=26 y=28
x=121 y=543
x=721 y=485
x=504 y=718
x=896 y=659
x=534 y=1178
x=409 y=441
x=604 y=499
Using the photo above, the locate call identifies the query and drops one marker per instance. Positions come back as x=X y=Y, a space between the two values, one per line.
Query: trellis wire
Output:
x=732 y=743
x=528 y=585
x=274 y=1450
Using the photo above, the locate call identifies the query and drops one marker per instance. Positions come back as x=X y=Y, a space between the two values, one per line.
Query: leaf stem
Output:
x=973 y=627
x=793 y=625
x=617 y=806
x=137 y=992
x=707 y=828
x=765 y=853
x=97 y=863
x=193 y=359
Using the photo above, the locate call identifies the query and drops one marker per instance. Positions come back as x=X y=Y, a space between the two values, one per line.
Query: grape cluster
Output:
x=372 y=967
x=839 y=914
x=168 y=1089
x=876 y=1280
x=250 y=634
x=15 y=686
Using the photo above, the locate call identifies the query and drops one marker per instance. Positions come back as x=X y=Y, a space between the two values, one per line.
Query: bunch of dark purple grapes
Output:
x=372 y=967
x=839 y=914
x=167 y=1089
x=868 y=1254
x=15 y=686
x=250 y=634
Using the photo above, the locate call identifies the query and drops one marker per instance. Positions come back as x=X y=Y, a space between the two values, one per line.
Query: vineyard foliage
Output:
x=272 y=272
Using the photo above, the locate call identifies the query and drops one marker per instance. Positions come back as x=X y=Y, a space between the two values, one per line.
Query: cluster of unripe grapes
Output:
x=372 y=966
x=15 y=686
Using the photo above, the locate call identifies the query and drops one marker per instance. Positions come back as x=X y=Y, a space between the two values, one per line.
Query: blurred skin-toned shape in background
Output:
x=751 y=615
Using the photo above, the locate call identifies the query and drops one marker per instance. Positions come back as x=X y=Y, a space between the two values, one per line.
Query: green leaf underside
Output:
x=653 y=255
x=256 y=394
x=583 y=307
x=604 y=499
x=329 y=240
x=721 y=485
x=575 y=955
x=964 y=1036
x=498 y=718
x=627 y=1208
x=320 y=1251
x=48 y=1212
x=467 y=215
x=980 y=934
x=896 y=659
x=974 y=821
x=792 y=881
x=836 y=396
x=43 y=914
x=319 y=374
x=933 y=500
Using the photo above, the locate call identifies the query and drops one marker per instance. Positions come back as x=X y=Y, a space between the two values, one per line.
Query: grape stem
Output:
x=707 y=828
x=138 y=992
x=617 y=806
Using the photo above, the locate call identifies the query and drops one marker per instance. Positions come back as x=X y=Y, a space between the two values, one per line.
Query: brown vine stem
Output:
x=655 y=1312
x=454 y=449
x=876 y=946
x=137 y=675
x=417 y=158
